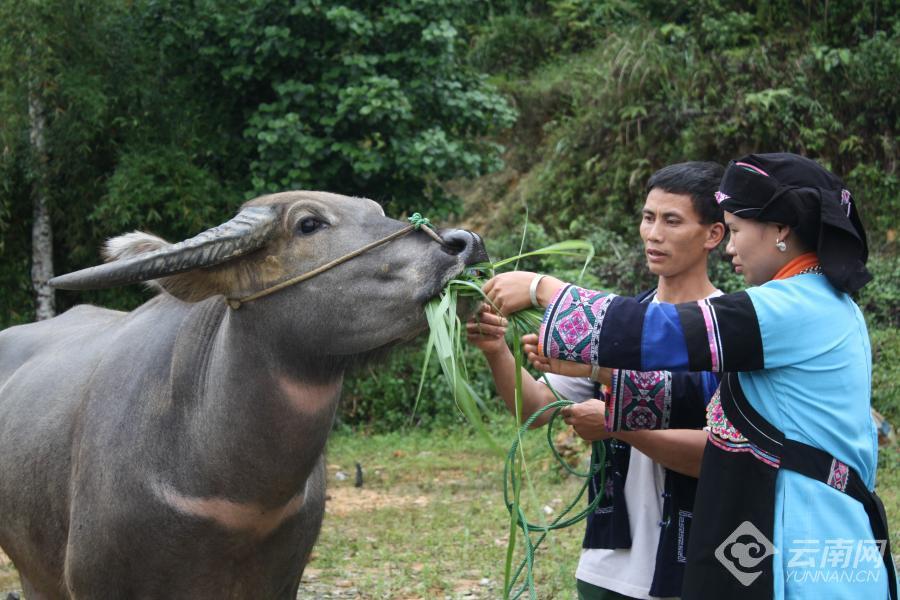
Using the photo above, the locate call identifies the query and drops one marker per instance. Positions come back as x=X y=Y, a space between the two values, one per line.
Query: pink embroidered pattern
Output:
x=643 y=400
x=641 y=417
x=724 y=435
x=575 y=325
x=573 y=328
x=719 y=424
x=721 y=197
x=839 y=476
x=845 y=200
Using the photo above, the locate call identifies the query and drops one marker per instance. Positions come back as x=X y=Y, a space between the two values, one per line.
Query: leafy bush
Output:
x=880 y=299
x=381 y=397
x=886 y=373
x=351 y=96
x=513 y=45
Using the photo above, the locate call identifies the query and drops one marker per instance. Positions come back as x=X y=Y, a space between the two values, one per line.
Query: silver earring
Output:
x=782 y=247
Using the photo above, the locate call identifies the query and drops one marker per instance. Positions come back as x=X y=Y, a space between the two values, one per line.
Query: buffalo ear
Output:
x=133 y=244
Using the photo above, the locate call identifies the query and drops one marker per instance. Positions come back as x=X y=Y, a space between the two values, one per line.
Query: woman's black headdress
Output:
x=800 y=193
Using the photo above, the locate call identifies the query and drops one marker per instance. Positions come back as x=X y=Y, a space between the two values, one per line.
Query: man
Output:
x=635 y=542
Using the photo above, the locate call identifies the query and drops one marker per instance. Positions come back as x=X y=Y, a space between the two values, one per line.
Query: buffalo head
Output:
x=277 y=237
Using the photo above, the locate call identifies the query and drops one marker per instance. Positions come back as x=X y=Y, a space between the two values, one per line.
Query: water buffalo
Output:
x=175 y=451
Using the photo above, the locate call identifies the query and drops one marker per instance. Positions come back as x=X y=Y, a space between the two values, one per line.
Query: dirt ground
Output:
x=344 y=500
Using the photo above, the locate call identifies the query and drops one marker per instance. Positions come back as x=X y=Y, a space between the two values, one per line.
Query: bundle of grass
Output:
x=446 y=340
x=447 y=329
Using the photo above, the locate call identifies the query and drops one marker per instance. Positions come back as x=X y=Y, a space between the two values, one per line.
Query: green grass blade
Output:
x=567 y=248
x=524 y=235
x=429 y=345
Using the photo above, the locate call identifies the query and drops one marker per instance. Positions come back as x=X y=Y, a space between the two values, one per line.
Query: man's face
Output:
x=674 y=239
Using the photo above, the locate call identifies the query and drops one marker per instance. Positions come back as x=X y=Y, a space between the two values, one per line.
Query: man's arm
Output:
x=486 y=332
x=535 y=395
x=680 y=450
x=657 y=412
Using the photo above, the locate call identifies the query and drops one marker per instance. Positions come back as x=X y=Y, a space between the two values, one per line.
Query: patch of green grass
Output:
x=455 y=536
x=430 y=521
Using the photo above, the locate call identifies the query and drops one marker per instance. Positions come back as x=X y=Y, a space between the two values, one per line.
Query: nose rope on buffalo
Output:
x=417 y=222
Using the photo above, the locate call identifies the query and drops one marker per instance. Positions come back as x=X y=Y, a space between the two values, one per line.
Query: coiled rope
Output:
x=511 y=479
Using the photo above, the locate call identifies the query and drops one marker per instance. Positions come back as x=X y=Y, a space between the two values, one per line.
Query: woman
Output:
x=784 y=507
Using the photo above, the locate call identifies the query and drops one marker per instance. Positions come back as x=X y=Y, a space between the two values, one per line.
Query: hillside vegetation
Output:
x=164 y=115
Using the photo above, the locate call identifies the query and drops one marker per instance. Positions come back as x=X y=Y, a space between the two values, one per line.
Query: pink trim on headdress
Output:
x=752 y=167
x=721 y=197
x=845 y=200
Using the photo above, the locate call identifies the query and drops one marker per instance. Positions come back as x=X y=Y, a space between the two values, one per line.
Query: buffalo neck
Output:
x=262 y=418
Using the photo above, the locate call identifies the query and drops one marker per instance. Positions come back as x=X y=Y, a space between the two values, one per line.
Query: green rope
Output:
x=510 y=478
x=418 y=221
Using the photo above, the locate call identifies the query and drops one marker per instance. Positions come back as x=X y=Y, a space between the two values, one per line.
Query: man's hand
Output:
x=588 y=418
x=486 y=330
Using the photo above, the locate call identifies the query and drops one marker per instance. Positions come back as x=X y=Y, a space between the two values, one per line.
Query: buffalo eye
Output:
x=308 y=225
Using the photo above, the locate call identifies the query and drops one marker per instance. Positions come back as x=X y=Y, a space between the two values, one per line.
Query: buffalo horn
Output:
x=249 y=230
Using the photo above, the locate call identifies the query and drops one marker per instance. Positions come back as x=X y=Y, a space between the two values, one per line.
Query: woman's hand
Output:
x=552 y=365
x=510 y=292
x=588 y=418
x=486 y=331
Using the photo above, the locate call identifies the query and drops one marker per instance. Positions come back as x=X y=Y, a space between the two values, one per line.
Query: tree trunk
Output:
x=41 y=231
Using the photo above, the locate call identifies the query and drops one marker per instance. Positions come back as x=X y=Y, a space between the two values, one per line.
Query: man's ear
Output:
x=715 y=235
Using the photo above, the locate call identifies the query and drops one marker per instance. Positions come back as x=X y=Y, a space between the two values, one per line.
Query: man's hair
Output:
x=699 y=180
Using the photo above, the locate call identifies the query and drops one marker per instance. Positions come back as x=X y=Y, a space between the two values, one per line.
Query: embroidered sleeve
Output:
x=572 y=324
x=722 y=334
x=714 y=334
x=639 y=400
x=658 y=400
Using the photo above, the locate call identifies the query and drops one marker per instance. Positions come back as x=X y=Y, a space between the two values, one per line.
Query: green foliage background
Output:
x=165 y=115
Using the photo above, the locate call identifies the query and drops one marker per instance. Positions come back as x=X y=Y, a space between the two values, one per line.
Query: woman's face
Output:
x=751 y=245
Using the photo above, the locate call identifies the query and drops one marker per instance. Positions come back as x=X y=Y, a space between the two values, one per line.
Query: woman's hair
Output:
x=699 y=180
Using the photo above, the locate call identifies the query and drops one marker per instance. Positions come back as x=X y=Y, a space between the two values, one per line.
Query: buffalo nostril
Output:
x=456 y=242
x=455 y=247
